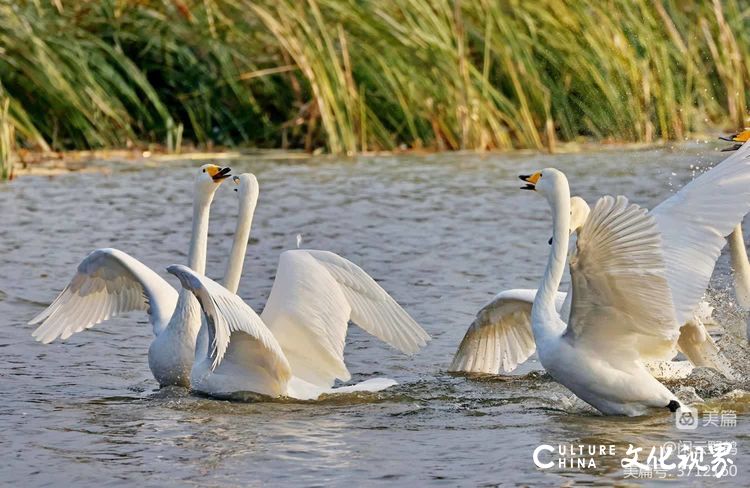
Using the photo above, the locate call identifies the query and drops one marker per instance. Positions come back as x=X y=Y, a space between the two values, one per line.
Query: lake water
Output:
x=441 y=233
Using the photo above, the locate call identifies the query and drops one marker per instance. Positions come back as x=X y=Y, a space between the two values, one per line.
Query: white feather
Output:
x=694 y=222
x=108 y=282
x=500 y=337
x=314 y=296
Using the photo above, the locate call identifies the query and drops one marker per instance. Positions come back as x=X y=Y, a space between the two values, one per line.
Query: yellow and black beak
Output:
x=531 y=180
x=217 y=173
x=739 y=138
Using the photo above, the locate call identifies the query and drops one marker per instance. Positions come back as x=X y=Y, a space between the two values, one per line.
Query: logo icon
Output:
x=537 y=461
x=686 y=418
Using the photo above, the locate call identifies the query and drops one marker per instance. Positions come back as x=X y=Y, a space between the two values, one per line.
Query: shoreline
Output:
x=39 y=163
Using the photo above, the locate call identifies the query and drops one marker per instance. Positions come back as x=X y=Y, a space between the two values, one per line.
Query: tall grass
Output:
x=353 y=75
x=7 y=141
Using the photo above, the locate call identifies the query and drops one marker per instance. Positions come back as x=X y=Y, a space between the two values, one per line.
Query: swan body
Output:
x=109 y=282
x=295 y=348
x=633 y=282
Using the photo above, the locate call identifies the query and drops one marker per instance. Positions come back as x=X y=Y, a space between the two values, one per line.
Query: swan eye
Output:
x=204 y=170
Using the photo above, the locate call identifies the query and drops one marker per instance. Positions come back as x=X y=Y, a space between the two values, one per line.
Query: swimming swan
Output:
x=500 y=337
x=110 y=282
x=633 y=283
x=296 y=347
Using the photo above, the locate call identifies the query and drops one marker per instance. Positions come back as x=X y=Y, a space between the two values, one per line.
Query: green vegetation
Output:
x=7 y=141
x=354 y=75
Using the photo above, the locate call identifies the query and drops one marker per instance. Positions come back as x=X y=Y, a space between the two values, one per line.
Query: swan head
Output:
x=579 y=212
x=742 y=136
x=548 y=182
x=209 y=178
x=247 y=186
x=739 y=139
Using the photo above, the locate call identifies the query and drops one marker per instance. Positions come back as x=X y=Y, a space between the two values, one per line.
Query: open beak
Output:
x=222 y=174
x=530 y=180
x=733 y=147
x=738 y=138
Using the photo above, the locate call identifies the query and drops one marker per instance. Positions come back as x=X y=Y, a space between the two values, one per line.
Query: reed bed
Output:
x=356 y=75
x=7 y=141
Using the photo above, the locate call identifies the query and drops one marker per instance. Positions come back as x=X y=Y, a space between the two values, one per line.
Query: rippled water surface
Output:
x=441 y=233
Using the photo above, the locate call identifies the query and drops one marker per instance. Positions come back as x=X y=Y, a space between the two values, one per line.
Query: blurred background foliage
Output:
x=355 y=75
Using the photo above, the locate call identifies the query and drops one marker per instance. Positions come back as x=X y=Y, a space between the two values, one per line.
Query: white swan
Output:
x=110 y=282
x=500 y=337
x=296 y=347
x=632 y=284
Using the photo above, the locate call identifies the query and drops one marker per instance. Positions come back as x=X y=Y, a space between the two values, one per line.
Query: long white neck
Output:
x=239 y=246
x=199 y=239
x=740 y=267
x=186 y=319
x=545 y=318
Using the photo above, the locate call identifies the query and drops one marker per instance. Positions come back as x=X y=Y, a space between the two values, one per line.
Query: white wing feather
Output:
x=373 y=309
x=693 y=224
x=621 y=297
x=108 y=282
x=699 y=347
x=314 y=296
x=500 y=337
x=227 y=314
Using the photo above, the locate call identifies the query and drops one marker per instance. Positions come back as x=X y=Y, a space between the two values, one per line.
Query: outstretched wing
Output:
x=621 y=297
x=108 y=283
x=314 y=296
x=227 y=314
x=694 y=222
x=500 y=338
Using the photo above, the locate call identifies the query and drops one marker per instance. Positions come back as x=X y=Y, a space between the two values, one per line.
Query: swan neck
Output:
x=239 y=245
x=545 y=316
x=740 y=266
x=199 y=239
